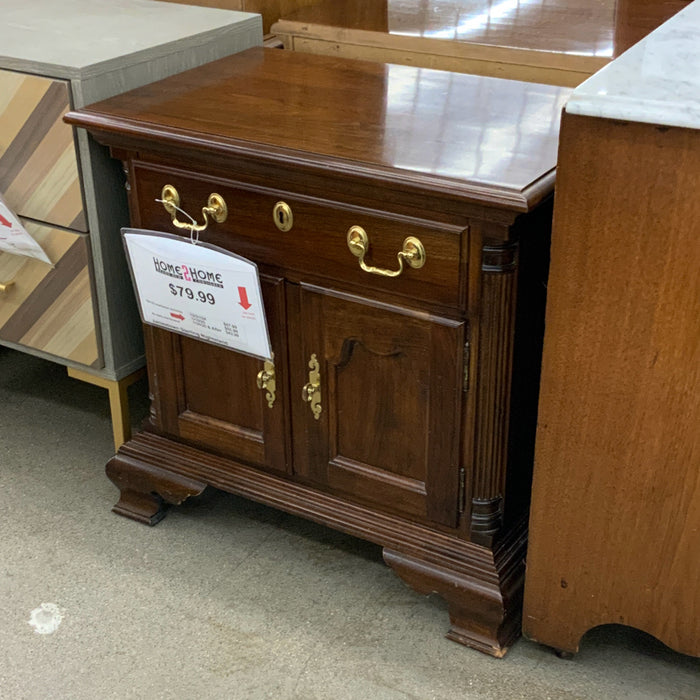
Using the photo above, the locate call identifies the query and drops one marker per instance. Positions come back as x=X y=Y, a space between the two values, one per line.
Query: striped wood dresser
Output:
x=66 y=190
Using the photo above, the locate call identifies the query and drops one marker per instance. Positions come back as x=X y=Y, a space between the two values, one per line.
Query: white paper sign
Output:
x=15 y=239
x=201 y=291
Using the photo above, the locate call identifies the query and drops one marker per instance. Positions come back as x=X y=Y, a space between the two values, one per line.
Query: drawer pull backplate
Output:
x=413 y=252
x=216 y=208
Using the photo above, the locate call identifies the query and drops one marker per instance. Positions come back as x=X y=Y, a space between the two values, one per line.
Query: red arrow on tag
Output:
x=5 y=222
x=179 y=316
x=243 y=293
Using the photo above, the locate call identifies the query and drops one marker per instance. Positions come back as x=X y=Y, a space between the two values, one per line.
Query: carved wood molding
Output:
x=147 y=458
x=495 y=358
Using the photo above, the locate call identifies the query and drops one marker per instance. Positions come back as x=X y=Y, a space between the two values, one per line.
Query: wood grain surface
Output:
x=51 y=308
x=271 y=10
x=399 y=122
x=38 y=164
x=615 y=523
x=558 y=42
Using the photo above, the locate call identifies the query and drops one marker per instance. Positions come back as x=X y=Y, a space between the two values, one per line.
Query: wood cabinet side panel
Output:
x=615 y=524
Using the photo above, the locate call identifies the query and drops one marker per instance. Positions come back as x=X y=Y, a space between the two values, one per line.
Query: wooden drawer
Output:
x=39 y=176
x=51 y=309
x=317 y=242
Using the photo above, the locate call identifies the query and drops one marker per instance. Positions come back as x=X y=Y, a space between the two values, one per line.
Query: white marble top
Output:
x=657 y=81
x=79 y=35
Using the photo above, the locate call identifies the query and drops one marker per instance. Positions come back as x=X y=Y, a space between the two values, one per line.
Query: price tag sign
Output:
x=200 y=291
x=14 y=238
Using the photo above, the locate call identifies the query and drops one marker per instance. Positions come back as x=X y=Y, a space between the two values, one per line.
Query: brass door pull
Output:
x=216 y=208
x=413 y=252
x=266 y=381
x=311 y=393
x=4 y=287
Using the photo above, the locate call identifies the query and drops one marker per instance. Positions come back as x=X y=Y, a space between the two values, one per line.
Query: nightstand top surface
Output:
x=77 y=38
x=460 y=131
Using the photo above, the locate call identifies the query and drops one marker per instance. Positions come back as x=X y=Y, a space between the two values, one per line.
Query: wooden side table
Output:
x=615 y=518
x=66 y=190
x=400 y=222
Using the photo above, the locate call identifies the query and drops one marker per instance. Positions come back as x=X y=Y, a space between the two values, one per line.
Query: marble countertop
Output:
x=657 y=81
x=77 y=36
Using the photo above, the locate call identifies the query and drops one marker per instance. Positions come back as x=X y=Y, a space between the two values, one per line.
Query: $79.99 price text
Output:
x=180 y=291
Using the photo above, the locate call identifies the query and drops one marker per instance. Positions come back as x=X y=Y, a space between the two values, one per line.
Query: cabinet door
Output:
x=389 y=394
x=209 y=396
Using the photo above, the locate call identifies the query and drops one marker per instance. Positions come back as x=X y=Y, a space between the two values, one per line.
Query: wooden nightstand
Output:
x=404 y=290
x=66 y=190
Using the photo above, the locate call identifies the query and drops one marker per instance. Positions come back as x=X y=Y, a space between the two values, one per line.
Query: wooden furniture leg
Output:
x=118 y=399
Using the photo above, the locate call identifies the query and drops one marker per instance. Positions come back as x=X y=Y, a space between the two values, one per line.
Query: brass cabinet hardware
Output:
x=266 y=380
x=4 y=287
x=413 y=252
x=282 y=216
x=312 y=389
x=216 y=208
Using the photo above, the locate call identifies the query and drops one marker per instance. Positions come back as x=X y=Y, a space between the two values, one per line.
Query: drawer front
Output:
x=317 y=242
x=39 y=175
x=51 y=309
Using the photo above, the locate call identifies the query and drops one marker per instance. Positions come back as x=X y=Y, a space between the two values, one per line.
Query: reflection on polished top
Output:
x=360 y=115
x=600 y=28
x=582 y=27
x=657 y=81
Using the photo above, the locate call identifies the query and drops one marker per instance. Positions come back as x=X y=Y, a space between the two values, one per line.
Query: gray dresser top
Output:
x=83 y=38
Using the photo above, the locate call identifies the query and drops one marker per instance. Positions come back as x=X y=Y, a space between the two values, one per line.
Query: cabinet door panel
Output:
x=388 y=432
x=213 y=399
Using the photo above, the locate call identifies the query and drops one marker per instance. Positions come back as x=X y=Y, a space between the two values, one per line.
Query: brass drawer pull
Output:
x=4 y=287
x=266 y=381
x=311 y=393
x=216 y=208
x=413 y=252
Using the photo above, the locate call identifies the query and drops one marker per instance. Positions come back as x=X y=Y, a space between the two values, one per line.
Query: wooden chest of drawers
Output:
x=66 y=190
x=403 y=407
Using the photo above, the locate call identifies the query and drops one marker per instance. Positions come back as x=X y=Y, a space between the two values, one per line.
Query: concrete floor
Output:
x=230 y=599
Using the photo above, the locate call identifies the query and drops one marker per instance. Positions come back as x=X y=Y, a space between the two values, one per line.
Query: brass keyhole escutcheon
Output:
x=283 y=217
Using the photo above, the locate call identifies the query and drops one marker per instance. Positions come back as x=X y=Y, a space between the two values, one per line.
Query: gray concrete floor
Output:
x=229 y=599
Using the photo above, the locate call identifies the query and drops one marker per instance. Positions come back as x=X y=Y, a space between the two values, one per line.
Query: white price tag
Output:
x=15 y=239
x=201 y=291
